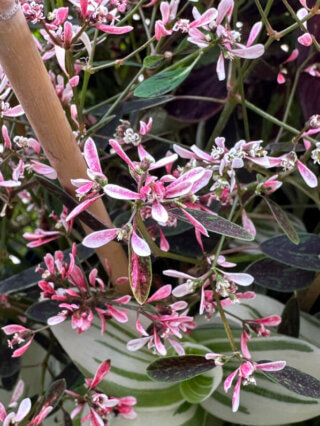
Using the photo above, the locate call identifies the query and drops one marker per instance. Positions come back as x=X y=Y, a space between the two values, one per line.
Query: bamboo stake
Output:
x=27 y=74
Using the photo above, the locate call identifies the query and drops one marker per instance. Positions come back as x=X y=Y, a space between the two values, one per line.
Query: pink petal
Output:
x=162 y=293
x=111 y=29
x=177 y=347
x=201 y=154
x=10 y=183
x=251 y=52
x=177 y=274
x=178 y=189
x=255 y=30
x=160 y=30
x=225 y=8
x=159 y=212
x=84 y=7
x=183 y=153
x=81 y=207
x=243 y=343
x=270 y=321
x=120 y=193
x=293 y=56
x=248 y=224
x=228 y=381
x=240 y=278
x=198 y=226
x=14 y=112
x=13 y=328
x=23 y=410
x=280 y=78
x=22 y=349
x=44 y=169
x=207 y=17
x=165 y=12
x=3 y=413
x=100 y=238
x=17 y=393
x=139 y=245
x=158 y=344
x=220 y=69
x=236 y=395
x=163 y=162
x=124 y=299
x=305 y=40
x=6 y=138
x=91 y=156
x=101 y=372
x=61 y=57
x=308 y=176
x=95 y=419
x=119 y=315
x=164 y=244
x=271 y=366
x=136 y=344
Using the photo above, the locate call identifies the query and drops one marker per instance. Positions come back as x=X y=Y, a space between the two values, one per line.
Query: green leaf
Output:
x=280 y=277
x=163 y=82
x=305 y=255
x=140 y=276
x=266 y=403
x=199 y=388
x=283 y=221
x=152 y=61
x=215 y=223
x=178 y=368
x=290 y=324
x=296 y=381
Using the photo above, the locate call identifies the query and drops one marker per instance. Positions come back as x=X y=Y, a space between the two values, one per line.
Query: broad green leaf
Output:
x=266 y=403
x=184 y=415
x=215 y=223
x=178 y=368
x=128 y=369
x=140 y=276
x=152 y=61
x=305 y=255
x=163 y=82
x=290 y=324
x=199 y=388
x=284 y=222
x=296 y=381
x=280 y=277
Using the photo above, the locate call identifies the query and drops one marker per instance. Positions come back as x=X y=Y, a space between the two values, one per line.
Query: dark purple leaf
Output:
x=215 y=223
x=41 y=311
x=304 y=255
x=201 y=82
x=295 y=380
x=178 y=368
x=290 y=324
x=279 y=277
x=52 y=395
x=283 y=221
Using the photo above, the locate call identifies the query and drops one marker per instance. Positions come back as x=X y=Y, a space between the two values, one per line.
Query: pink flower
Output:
x=20 y=335
x=245 y=375
x=40 y=237
x=281 y=75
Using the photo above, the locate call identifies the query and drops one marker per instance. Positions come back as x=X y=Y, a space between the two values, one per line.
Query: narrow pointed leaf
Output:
x=53 y=394
x=296 y=381
x=283 y=221
x=178 y=368
x=162 y=82
x=280 y=277
x=217 y=224
x=305 y=255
